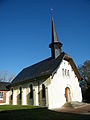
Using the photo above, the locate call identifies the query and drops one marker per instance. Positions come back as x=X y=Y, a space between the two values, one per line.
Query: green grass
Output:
x=36 y=113
x=15 y=107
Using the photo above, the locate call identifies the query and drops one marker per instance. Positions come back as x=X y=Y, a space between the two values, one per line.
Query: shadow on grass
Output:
x=39 y=114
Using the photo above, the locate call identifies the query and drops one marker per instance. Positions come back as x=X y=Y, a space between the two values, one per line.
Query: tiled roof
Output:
x=43 y=68
x=3 y=86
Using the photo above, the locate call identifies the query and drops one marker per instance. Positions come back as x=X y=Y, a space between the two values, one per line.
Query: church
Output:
x=51 y=82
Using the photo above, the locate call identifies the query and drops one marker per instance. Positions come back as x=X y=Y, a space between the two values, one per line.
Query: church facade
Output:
x=51 y=82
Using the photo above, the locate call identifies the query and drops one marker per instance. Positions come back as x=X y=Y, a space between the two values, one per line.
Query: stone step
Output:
x=74 y=104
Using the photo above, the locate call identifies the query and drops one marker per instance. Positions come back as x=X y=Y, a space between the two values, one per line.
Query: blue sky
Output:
x=25 y=31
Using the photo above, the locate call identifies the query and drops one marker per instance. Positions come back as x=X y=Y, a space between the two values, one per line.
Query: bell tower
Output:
x=55 y=45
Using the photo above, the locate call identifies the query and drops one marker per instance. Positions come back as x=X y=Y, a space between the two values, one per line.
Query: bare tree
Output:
x=85 y=69
x=85 y=73
x=5 y=77
x=11 y=77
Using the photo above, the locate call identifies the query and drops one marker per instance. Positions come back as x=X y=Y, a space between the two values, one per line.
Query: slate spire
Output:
x=54 y=33
x=55 y=45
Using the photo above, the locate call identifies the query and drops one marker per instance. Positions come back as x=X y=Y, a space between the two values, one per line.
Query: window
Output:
x=43 y=91
x=12 y=94
x=63 y=71
x=20 y=94
x=31 y=91
x=68 y=73
x=1 y=95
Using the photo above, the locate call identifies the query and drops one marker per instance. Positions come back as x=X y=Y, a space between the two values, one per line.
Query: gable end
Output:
x=70 y=60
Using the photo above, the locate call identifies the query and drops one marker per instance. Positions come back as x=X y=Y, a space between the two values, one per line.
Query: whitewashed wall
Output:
x=15 y=96
x=25 y=88
x=36 y=93
x=58 y=84
x=7 y=98
x=24 y=100
x=55 y=86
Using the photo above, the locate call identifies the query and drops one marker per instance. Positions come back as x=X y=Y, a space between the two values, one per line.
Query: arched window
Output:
x=20 y=94
x=43 y=91
x=68 y=74
x=63 y=71
x=31 y=91
x=12 y=94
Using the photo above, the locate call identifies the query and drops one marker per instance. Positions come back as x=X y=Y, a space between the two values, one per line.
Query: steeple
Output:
x=55 y=45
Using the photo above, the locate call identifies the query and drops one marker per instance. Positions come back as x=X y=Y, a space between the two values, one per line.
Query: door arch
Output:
x=68 y=94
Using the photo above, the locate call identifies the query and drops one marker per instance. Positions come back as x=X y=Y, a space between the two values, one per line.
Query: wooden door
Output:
x=68 y=94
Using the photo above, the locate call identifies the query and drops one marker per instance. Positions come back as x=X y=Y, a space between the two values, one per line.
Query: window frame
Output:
x=68 y=73
x=1 y=97
x=63 y=73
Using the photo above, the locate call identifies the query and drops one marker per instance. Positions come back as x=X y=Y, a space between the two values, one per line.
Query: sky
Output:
x=25 y=31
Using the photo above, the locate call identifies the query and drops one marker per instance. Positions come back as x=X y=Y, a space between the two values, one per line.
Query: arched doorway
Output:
x=68 y=94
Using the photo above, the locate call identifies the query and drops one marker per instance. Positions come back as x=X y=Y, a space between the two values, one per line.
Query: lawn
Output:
x=36 y=113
